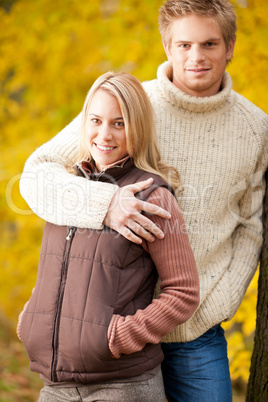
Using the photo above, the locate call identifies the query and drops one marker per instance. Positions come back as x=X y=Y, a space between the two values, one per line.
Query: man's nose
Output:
x=197 y=54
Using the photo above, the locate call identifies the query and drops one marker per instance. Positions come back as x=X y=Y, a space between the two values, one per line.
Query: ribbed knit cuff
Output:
x=111 y=336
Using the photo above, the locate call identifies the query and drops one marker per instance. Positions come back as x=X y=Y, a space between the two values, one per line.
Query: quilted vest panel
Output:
x=81 y=283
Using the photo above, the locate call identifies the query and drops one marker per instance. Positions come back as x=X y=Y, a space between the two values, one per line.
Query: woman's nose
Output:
x=105 y=132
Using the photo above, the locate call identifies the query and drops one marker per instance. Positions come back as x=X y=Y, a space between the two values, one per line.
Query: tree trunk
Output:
x=258 y=378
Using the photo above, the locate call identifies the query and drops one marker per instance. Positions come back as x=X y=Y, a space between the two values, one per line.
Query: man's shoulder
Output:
x=150 y=86
x=249 y=108
x=251 y=114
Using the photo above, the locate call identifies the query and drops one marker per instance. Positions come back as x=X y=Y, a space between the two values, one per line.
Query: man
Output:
x=218 y=142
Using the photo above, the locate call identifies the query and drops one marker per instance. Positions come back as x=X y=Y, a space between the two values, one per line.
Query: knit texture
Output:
x=175 y=264
x=219 y=145
x=60 y=197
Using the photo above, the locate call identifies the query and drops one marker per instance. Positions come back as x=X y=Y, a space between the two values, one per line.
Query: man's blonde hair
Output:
x=221 y=10
x=138 y=118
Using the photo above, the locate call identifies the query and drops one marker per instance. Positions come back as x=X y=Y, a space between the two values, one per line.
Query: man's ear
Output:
x=167 y=50
x=230 y=49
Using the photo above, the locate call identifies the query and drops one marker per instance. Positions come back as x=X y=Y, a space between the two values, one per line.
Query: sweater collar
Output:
x=110 y=174
x=193 y=103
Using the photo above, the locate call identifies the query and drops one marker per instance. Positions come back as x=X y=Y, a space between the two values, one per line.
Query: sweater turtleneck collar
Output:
x=190 y=103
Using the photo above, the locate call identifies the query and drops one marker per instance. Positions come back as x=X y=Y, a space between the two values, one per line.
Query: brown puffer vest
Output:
x=84 y=277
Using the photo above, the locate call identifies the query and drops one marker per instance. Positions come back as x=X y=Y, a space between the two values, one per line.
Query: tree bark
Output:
x=258 y=378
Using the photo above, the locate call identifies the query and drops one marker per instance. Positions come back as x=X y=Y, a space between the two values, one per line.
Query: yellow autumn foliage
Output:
x=51 y=52
x=240 y=331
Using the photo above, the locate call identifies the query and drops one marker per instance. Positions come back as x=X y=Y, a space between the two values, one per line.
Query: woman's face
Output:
x=105 y=130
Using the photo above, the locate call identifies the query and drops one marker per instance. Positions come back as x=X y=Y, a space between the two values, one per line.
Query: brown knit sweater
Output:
x=168 y=254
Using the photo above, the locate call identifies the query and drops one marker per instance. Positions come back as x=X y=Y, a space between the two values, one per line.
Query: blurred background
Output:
x=51 y=51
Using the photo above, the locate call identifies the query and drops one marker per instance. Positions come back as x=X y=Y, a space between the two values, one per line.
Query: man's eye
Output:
x=210 y=44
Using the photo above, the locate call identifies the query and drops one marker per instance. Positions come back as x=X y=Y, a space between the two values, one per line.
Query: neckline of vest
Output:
x=113 y=173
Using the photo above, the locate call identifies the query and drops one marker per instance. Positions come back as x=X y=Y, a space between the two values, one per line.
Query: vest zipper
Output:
x=64 y=270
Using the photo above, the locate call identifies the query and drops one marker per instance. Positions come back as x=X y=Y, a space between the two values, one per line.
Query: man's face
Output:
x=198 y=55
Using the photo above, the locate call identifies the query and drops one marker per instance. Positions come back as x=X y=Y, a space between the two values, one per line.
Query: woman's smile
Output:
x=105 y=130
x=104 y=148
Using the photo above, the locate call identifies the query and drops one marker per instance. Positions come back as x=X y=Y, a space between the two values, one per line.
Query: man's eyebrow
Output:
x=207 y=40
x=212 y=40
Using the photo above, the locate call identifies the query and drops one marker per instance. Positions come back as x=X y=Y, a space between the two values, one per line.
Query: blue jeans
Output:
x=198 y=371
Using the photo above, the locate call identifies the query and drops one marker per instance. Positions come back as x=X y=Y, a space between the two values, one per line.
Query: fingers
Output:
x=145 y=226
x=144 y=229
x=132 y=218
x=142 y=185
x=128 y=234
x=124 y=214
x=136 y=205
x=154 y=209
x=141 y=231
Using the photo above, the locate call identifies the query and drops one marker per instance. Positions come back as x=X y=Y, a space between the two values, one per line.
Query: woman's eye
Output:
x=95 y=121
x=119 y=124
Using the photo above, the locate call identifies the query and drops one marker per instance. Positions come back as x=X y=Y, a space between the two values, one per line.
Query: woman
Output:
x=91 y=328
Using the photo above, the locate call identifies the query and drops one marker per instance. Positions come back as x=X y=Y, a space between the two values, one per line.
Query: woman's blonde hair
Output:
x=138 y=118
x=221 y=10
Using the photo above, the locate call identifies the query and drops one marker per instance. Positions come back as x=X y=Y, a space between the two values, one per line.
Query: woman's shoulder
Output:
x=164 y=198
x=158 y=182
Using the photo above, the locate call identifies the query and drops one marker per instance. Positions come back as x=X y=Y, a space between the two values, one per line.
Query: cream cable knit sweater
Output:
x=220 y=146
x=60 y=197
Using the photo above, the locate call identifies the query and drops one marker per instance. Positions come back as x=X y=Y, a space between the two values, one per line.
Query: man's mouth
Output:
x=198 y=70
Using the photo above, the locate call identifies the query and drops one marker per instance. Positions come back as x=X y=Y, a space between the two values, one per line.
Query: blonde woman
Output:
x=91 y=328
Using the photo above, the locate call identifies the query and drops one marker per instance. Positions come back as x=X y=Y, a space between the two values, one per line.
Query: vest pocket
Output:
x=83 y=345
x=36 y=333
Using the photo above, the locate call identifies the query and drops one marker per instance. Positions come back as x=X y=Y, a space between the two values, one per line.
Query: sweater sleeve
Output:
x=58 y=196
x=177 y=271
x=247 y=237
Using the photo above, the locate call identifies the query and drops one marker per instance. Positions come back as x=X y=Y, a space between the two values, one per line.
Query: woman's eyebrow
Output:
x=116 y=118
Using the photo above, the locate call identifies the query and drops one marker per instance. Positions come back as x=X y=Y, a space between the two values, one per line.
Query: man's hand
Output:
x=124 y=214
